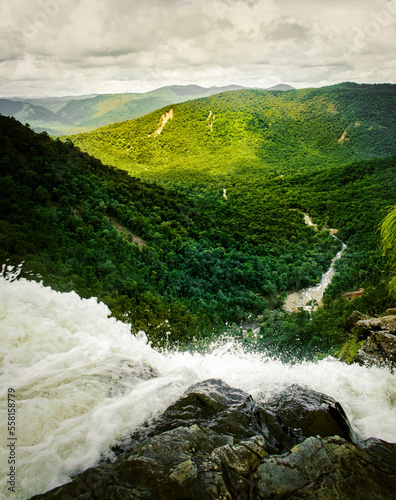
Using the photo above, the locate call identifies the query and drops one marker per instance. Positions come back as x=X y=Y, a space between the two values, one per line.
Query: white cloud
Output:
x=77 y=46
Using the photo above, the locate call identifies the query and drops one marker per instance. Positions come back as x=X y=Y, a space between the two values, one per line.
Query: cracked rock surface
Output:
x=216 y=442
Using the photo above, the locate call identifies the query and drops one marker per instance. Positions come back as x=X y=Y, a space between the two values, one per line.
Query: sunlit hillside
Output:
x=252 y=132
x=213 y=232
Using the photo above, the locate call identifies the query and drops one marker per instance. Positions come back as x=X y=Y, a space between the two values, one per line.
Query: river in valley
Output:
x=311 y=298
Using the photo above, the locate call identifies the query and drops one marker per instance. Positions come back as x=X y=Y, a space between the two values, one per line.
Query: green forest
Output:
x=74 y=114
x=251 y=135
x=192 y=231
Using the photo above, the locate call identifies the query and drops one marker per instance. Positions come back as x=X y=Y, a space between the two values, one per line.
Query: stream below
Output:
x=311 y=298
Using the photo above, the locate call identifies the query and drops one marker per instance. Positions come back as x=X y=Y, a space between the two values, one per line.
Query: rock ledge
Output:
x=217 y=443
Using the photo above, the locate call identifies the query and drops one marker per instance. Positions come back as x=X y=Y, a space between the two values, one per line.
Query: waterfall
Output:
x=82 y=382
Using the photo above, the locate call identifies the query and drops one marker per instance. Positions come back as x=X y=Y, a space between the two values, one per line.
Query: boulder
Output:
x=380 y=332
x=354 y=318
x=379 y=349
x=215 y=405
x=366 y=327
x=174 y=465
x=328 y=468
x=310 y=413
x=216 y=443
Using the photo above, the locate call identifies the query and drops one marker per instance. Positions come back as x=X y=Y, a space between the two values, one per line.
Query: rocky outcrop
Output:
x=216 y=406
x=310 y=413
x=329 y=468
x=380 y=335
x=353 y=295
x=354 y=318
x=379 y=349
x=216 y=442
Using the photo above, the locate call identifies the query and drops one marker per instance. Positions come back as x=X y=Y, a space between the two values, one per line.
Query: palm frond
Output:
x=388 y=244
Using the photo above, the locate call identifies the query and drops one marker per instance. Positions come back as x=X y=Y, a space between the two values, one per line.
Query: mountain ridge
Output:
x=73 y=114
x=278 y=132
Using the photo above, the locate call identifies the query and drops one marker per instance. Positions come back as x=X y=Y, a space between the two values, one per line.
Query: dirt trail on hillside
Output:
x=344 y=135
x=213 y=117
x=164 y=119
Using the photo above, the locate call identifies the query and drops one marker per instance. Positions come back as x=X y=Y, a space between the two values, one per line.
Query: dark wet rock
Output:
x=383 y=454
x=310 y=413
x=328 y=468
x=216 y=443
x=379 y=349
x=184 y=463
x=222 y=408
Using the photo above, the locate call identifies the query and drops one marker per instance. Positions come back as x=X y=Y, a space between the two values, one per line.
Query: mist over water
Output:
x=82 y=382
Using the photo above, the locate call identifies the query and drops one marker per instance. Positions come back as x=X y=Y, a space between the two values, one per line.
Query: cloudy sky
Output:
x=66 y=47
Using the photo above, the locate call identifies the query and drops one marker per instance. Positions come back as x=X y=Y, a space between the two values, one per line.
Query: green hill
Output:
x=260 y=134
x=35 y=113
x=68 y=115
x=182 y=265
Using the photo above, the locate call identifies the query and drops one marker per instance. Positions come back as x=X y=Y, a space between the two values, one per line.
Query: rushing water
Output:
x=82 y=381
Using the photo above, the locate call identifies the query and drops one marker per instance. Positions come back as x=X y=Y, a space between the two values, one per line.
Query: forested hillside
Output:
x=248 y=135
x=183 y=263
x=68 y=115
x=138 y=246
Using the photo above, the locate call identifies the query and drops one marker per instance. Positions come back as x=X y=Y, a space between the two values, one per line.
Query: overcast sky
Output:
x=66 y=47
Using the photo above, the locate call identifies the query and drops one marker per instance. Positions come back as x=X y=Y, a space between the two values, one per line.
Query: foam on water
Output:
x=82 y=382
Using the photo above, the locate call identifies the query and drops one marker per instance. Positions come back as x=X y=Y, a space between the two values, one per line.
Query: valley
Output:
x=150 y=257
x=195 y=226
x=312 y=298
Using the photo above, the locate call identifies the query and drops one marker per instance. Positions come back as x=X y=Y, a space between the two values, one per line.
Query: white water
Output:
x=82 y=382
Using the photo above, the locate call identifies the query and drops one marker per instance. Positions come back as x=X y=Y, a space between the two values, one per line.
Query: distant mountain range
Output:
x=75 y=114
x=281 y=86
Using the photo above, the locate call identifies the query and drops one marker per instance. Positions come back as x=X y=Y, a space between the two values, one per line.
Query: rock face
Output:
x=328 y=468
x=380 y=332
x=216 y=442
x=354 y=318
x=215 y=405
x=379 y=349
x=310 y=413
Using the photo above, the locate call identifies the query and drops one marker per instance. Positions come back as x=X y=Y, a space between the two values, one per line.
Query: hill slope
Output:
x=258 y=133
x=68 y=115
x=27 y=112
x=182 y=265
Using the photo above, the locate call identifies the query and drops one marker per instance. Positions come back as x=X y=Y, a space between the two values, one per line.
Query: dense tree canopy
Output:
x=220 y=237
